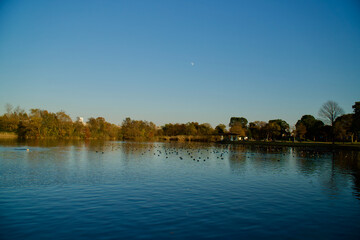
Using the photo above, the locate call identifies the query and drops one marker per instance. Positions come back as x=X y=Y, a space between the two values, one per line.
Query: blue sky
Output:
x=257 y=59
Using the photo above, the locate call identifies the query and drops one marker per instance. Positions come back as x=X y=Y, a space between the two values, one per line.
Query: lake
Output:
x=129 y=190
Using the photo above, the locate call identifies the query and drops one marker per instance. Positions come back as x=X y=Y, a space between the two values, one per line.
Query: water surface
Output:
x=122 y=190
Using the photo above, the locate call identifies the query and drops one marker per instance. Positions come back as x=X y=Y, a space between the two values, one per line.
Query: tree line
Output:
x=334 y=126
x=37 y=123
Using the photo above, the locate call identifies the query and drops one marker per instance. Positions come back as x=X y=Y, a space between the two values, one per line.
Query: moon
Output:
x=192 y=63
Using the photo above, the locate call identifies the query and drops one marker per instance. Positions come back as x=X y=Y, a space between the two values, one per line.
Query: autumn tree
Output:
x=10 y=120
x=65 y=126
x=189 y=129
x=137 y=129
x=80 y=130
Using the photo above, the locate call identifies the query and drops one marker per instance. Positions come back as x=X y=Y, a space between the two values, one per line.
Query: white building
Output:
x=80 y=120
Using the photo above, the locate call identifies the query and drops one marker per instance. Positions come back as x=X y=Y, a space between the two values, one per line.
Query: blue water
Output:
x=117 y=190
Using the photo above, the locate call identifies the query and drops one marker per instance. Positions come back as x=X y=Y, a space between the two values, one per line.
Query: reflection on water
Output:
x=348 y=162
x=77 y=189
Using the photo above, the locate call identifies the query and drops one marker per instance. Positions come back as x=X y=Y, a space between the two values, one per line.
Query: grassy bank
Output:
x=8 y=135
x=327 y=145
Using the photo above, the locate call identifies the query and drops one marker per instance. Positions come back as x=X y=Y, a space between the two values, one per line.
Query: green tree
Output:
x=273 y=130
x=343 y=127
x=220 y=129
x=205 y=129
x=301 y=130
x=313 y=127
x=238 y=120
x=258 y=130
x=284 y=129
x=356 y=120
x=238 y=129
x=190 y=129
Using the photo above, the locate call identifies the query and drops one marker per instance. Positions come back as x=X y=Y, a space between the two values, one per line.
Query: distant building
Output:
x=80 y=120
x=233 y=137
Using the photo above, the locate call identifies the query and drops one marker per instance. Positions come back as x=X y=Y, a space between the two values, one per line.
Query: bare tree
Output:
x=9 y=109
x=330 y=111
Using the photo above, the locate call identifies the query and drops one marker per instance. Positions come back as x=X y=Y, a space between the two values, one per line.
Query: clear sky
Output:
x=180 y=61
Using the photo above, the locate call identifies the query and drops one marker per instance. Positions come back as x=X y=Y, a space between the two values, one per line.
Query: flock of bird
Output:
x=193 y=154
x=182 y=153
x=203 y=154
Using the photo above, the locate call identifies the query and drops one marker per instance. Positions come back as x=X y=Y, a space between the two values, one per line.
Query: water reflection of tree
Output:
x=137 y=148
x=237 y=159
x=311 y=161
x=349 y=163
x=333 y=169
x=262 y=158
x=41 y=142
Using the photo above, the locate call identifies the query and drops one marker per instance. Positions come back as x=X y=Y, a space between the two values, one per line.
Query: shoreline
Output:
x=323 y=145
x=329 y=146
x=8 y=135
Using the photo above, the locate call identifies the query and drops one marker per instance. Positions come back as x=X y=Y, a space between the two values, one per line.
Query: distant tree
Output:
x=205 y=129
x=327 y=133
x=80 y=130
x=313 y=127
x=137 y=129
x=293 y=133
x=300 y=130
x=343 y=127
x=238 y=129
x=44 y=124
x=48 y=124
x=258 y=130
x=330 y=111
x=159 y=132
x=65 y=125
x=9 y=109
x=284 y=127
x=356 y=120
x=220 y=129
x=273 y=130
x=238 y=120
x=10 y=120
x=34 y=125
x=191 y=129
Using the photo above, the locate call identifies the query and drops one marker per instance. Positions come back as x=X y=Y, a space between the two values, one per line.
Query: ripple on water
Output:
x=128 y=192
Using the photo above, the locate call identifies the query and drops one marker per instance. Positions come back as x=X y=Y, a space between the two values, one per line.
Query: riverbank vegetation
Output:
x=36 y=124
